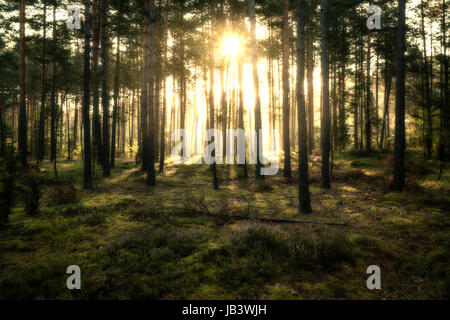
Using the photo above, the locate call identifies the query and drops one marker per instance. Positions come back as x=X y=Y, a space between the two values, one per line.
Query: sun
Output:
x=231 y=46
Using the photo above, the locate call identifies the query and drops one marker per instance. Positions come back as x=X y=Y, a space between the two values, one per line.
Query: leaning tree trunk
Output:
x=87 y=182
x=303 y=183
x=326 y=97
x=400 y=142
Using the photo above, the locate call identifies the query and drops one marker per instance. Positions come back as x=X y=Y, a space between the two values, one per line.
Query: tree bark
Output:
x=211 y=87
x=257 y=107
x=116 y=87
x=400 y=142
x=303 y=184
x=87 y=182
x=368 y=97
x=41 y=140
x=326 y=102
x=151 y=178
x=96 y=126
x=23 y=150
x=105 y=88
x=286 y=89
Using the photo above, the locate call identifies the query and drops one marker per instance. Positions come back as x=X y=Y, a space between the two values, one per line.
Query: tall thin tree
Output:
x=400 y=141
x=257 y=108
x=41 y=138
x=151 y=178
x=87 y=182
x=325 y=96
x=211 y=87
x=23 y=148
x=303 y=183
x=286 y=107
x=116 y=86
x=105 y=87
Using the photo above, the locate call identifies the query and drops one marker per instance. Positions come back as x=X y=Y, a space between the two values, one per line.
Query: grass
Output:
x=132 y=241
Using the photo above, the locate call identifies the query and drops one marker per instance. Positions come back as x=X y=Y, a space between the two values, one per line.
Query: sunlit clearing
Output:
x=231 y=46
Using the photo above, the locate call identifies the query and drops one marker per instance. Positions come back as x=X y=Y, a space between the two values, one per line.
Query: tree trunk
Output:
x=400 y=142
x=428 y=102
x=53 y=113
x=286 y=89
x=75 y=125
x=105 y=88
x=163 y=121
x=41 y=139
x=151 y=178
x=23 y=90
x=303 y=184
x=211 y=87
x=116 y=87
x=387 y=93
x=258 y=121
x=144 y=87
x=97 y=131
x=368 y=98
x=326 y=102
x=310 y=77
x=87 y=182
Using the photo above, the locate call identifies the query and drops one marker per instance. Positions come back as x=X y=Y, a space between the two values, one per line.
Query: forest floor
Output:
x=182 y=240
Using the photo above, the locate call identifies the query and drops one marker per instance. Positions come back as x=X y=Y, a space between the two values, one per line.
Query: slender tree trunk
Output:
x=53 y=113
x=116 y=87
x=211 y=87
x=41 y=139
x=105 y=87
x=75 y=125
x=429 y=124
x=326 y=102
x=355 y=104
x=164 y=71
x=286 y=89
x=144 y=88
x=303 y=184
x=97 y=131
x=257 y=108
x=87 y=182
x=387 y=89
x=151 y=177
x=368 y=98
x=310 y=77
x=400 y=142
x=23 y=149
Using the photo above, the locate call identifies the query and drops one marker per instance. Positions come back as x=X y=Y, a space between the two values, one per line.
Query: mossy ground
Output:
x=135 y=241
